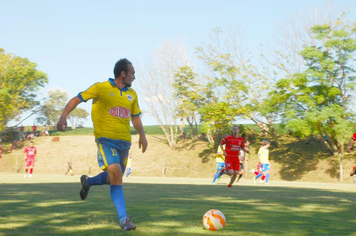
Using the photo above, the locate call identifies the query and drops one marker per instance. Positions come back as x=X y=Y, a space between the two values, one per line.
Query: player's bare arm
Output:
x=223 y=150
x=245 y=150
x=71 y=105
x=349 y=146
x=137 y=124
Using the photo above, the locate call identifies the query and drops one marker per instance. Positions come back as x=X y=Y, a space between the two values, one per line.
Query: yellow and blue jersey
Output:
x=263 y=153
x=220 y=158
x=112 y=109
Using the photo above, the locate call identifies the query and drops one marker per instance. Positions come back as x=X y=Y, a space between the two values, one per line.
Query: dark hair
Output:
x=265 y=142
x=121 y=65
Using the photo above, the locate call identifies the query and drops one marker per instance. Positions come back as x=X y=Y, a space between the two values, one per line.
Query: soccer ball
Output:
x=214 y=220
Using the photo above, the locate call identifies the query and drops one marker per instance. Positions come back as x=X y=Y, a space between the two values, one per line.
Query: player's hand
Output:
x=62 y=125
x=348 y=149
x=142 y=142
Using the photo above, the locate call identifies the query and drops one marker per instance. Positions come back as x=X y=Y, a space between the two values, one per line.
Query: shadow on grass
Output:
x=171 y=209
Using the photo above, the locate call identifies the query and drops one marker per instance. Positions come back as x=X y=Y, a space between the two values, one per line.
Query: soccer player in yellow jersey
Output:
x=220 y=163
x=114 y=105
x=263 y=156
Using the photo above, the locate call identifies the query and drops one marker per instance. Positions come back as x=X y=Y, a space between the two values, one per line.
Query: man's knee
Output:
x=114 y=174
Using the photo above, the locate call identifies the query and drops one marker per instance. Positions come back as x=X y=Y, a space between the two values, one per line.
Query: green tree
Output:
x=189 y=97
x=237 y=82
x=52 y=108
x=77 y=116
x=317 y=100
x=19 y=84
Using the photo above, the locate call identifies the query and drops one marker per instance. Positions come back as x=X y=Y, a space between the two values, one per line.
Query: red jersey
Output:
x=233 y=146
x=0 y=152
x=354 y=137
x=30 y=152
x=34 y=128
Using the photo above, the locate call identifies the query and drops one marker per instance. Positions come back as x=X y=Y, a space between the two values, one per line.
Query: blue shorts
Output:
x=112 y=152
x=220 y=166
x=265 y=167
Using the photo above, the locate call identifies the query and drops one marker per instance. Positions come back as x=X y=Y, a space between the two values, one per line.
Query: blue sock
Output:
x=258 y=176
x=267 y=178
x=100 y=179
x=117 y=196
x=216 y=176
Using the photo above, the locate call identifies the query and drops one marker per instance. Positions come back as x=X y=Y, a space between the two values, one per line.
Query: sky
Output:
x=76 y=43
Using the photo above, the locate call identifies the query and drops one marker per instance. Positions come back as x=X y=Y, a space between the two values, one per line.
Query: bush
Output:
x=8 y=135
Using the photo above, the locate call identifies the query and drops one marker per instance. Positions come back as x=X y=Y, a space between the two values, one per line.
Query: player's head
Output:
x=266 y=143
x=31 y=143
x=121 y=66
x=235 y=130
x=124 y=69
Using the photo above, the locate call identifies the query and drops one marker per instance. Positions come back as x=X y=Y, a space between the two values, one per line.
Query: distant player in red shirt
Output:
x=257 y=171
x=233 y=143
x=348 y=149
x=30 y=158
x=34 y=129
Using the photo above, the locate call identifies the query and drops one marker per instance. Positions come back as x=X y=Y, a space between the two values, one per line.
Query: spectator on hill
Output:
x=115 y=103
x=30 y=136
x=30 y=158
x=34 y=128
x=45 y=131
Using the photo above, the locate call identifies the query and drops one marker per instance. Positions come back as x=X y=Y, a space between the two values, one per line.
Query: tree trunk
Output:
x=341 y=158
x=210 y=137
x=170 y=135
x=190 y=126
x=273 y=132
x=275 y=135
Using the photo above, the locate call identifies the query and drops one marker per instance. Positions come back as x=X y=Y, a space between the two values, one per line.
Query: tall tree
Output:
x=77 y=116
x=52 y=107
x=189 y=96
x=317 y=100
x=157 y=86
x=19 y=85
x=239 y=83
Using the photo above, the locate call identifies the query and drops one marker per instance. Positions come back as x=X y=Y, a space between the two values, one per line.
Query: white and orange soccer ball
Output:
x=214 y=220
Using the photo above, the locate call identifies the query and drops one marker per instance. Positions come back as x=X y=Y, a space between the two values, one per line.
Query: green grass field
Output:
x=50 y=205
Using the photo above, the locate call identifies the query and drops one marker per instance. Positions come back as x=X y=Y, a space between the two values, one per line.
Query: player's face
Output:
x=130 y=76
x=235 y=130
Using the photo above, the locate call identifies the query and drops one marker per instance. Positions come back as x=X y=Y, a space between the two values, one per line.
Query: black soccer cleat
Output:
x=84 y=191
x=127 y=225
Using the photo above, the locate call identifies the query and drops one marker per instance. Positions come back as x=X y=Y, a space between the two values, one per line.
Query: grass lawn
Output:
x=50 y=205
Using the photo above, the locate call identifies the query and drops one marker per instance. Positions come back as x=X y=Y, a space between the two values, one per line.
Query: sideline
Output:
x=12 y=178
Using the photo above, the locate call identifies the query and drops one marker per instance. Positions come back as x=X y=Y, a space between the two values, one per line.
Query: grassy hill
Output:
x=294 y=160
